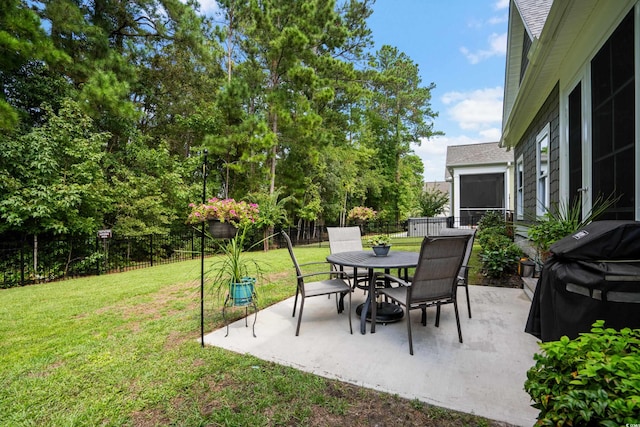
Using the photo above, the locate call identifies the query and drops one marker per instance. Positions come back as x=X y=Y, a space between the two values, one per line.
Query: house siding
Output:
x=548 y=114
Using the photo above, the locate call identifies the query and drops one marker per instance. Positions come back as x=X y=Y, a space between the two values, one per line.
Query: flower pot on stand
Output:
x=222 y=230
x=242 y=294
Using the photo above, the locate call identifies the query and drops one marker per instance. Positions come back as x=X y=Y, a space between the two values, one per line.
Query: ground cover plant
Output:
x=123 y=349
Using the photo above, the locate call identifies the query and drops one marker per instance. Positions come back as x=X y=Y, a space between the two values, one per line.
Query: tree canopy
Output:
x=106 y=107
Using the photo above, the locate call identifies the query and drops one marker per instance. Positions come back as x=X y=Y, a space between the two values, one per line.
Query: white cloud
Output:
x=477 y=114
x=497 y=46
x=501 y=4
x=491 y=134
x=495 y=20
x=209 y=7
x=433 y=153
x=477 y=110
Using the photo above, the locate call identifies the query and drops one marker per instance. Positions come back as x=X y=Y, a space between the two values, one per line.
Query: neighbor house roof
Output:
x=442 y=186
x=487 y=153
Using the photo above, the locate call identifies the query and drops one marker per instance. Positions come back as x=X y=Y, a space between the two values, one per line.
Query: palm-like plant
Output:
x=272 y=212
x=234 y=266
x=563 y=220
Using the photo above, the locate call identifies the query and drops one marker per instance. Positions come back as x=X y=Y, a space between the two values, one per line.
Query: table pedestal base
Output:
x=386 y=312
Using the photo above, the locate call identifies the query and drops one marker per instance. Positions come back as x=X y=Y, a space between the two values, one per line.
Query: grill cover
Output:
x=593 y=274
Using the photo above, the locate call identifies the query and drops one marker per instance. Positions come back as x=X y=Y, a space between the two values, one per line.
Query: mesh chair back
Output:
x=344 y=239
x=462 y=232
x=436 y=274
x=293 y=257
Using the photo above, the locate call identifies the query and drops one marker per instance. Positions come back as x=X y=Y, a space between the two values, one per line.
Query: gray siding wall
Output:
x=526 y=147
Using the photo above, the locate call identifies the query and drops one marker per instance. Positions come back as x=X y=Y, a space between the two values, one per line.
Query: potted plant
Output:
x=561 y=221
x=235 y=273
x=380 y=243
x=223 y=215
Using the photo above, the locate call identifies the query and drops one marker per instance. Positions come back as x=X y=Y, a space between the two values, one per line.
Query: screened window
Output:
x=480 y=193
x=613 y=116
x=575 y=146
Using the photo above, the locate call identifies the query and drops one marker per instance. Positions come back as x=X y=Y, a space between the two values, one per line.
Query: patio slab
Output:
x=484 y=376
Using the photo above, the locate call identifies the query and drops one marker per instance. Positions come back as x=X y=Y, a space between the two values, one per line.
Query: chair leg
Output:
x=349 y=315
x=409 y=330
x=424 y=316
x=300 y=316
x=455 y=307
x=466 y=287
x=437 y=315
x=295 y=302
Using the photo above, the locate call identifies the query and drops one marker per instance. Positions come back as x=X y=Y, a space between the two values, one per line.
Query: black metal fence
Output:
x=43 y=259
x=29 y=261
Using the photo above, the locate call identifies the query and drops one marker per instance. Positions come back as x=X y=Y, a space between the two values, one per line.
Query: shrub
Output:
x=591 y=380
x=499 y=254
x=500 y=260
x=486 y=236
x=490 y=219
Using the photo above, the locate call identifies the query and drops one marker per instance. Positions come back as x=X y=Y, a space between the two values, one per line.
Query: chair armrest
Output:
x=325 y=273
x=313 y=263
x=392 y=278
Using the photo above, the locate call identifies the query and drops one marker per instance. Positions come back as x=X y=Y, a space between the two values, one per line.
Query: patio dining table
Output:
x=369 y=261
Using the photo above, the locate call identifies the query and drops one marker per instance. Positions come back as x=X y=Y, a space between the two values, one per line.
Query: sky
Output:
x=460 y=46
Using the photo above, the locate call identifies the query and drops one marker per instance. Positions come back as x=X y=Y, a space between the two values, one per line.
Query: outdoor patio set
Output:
x=439 y=268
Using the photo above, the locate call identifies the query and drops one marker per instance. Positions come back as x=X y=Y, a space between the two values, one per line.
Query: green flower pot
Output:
x=242 y=293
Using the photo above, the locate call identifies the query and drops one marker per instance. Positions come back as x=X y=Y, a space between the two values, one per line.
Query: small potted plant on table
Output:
x=380 y=243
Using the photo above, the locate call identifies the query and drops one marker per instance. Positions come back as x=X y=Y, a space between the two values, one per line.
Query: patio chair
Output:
x=347 y=239
x=463 y=276
x=434 y=281
x=332 y=284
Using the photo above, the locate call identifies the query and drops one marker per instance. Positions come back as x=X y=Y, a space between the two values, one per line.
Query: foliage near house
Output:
x=499 y=254
x=591 y=380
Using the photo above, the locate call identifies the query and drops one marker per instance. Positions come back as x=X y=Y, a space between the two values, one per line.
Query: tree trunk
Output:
x=274 y=152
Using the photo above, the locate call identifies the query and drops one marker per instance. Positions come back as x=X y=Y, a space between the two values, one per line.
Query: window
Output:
x=480 y=193
x=520 y=188
x=613 y=115
x=542 y=171
x=575 y=146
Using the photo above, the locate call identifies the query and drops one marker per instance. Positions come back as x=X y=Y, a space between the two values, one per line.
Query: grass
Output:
x=123 y=349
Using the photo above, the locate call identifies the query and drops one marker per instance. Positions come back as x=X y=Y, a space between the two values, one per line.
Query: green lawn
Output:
x=123 y=349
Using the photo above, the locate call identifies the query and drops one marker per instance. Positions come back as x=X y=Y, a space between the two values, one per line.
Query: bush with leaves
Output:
x=433 y=202
x=490 y=219
x=499 y=254
x=591 y=380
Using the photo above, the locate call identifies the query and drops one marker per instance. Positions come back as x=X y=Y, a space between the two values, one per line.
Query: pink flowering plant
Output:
x=236 y=212
x=361 y=213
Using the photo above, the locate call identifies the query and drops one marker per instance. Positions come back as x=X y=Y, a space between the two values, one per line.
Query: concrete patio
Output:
x=483 y=376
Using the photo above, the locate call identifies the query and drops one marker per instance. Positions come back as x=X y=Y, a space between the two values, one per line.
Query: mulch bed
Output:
x=506 y=281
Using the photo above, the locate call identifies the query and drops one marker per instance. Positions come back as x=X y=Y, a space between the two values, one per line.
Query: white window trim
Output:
x=520 y=187
x=542 y=171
